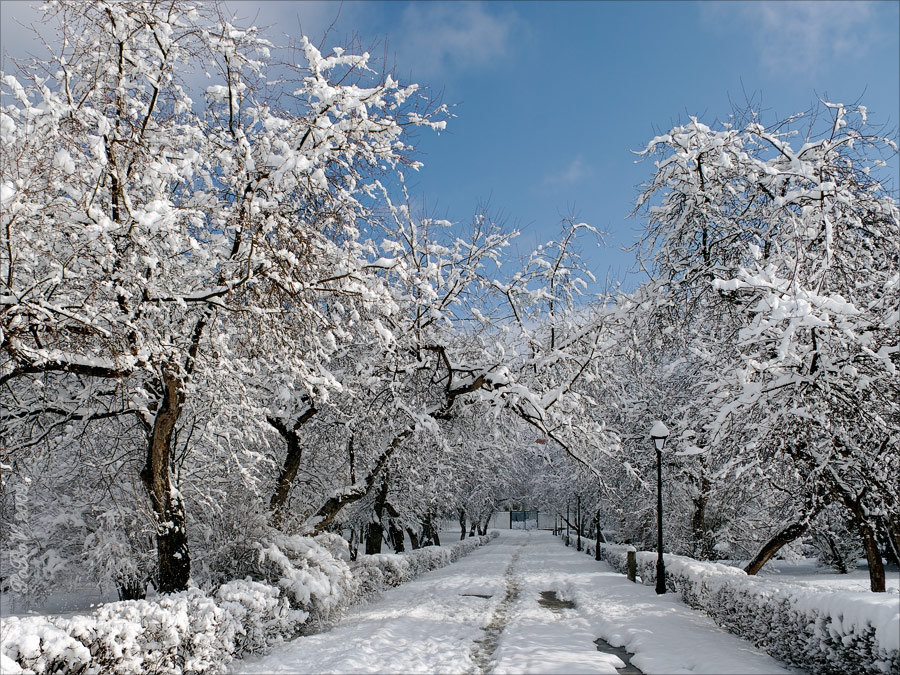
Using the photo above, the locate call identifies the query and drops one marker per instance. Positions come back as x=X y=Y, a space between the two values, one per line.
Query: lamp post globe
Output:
x=658 y=434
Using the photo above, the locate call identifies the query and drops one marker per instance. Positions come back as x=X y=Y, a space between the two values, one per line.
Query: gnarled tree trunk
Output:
x=291 y=463
x=783 y=537
x=869 y=540
x=172 y=554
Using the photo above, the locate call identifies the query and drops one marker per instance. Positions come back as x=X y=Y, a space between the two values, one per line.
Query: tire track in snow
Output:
x=483 y=650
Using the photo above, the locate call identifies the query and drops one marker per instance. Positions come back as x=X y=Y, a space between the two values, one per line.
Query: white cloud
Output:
x=438 y=39
x=799 y=37
x=576 y=171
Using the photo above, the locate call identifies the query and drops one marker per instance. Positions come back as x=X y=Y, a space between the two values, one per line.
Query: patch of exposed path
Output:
x=483 y=650
x=551 y=601
x=628 y=668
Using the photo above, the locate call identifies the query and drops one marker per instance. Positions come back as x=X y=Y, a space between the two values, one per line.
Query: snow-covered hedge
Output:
x=377 y=572
x=188 y=632
x=466 y=546
x=301 y=584
x=822 y=631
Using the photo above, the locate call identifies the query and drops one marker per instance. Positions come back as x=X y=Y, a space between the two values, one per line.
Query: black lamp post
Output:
x=659 y=433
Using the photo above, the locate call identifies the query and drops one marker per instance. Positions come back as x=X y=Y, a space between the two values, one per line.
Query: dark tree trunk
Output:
x=600 y=539
x=395 y=531
x=866 y=532
x=578 y=523
x=482 y=527
x=375 y=535
x=873 y=557
x=354 y=549
x=462 y=523
x=785 y=536
x=837 y=558
x=698 y=527
x=702 y=548
x=396 y=534
x=869 y=540
x=291 y=464
x=172 y=554
x=413 y=538
x=429 y=532
x=472 y=527
x=132 y=589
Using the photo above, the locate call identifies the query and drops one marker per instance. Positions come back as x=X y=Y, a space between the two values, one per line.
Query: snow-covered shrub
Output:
x=312 y=578
x=335 y=544
x=375 y=573
x=187 y=632
x=427 y=559
x=181 y=632
x=590 y=546
x=370 y=578
x=616 y=555
x=394 y=567
x=263 y=615
x=8 y=666
x=466 y=546
x=35 y=645
x=823 y=631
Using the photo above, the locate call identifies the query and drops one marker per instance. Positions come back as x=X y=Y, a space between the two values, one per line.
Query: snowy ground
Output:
x=439 y=623
x=80 y=601
x=808 y=572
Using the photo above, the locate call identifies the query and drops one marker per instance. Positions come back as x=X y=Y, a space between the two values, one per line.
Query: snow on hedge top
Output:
x=855 y=610
x=849 y=611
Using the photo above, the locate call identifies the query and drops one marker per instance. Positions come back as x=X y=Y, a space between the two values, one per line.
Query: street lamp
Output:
x=659 y=433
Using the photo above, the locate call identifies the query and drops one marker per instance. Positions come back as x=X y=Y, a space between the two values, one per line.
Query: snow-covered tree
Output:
x=143 y=228
x=789 y=257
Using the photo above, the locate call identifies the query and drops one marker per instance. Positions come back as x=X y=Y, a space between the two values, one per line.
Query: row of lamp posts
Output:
x=658 y=434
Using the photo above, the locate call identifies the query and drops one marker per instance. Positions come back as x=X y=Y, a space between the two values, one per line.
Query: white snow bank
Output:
x=824 y=631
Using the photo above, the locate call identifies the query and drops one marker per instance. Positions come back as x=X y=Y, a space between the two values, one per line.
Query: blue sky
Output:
x=551 y=98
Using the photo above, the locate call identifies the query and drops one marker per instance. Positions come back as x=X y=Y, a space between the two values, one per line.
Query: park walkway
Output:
x=522 y=604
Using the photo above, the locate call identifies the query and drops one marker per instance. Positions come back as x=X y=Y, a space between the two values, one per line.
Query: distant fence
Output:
x=506 y=520
x=521 y=520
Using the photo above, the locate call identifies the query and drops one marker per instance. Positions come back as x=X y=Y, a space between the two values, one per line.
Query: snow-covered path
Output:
x=440 y=623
